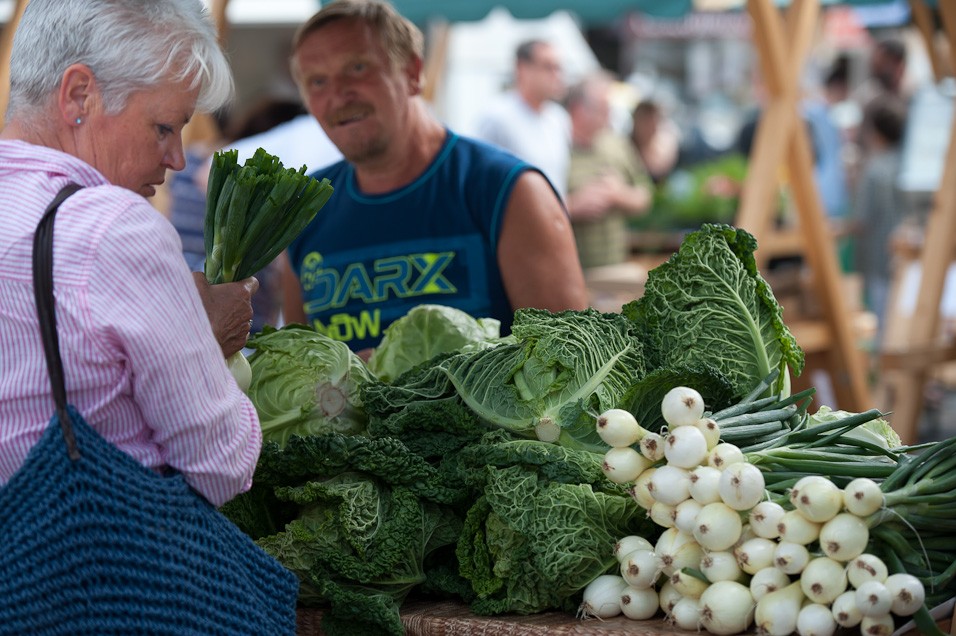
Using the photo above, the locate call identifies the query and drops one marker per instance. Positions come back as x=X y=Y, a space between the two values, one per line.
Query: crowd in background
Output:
x=612 y=174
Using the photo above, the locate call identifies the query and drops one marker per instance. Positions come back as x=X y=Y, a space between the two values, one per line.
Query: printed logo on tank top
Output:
x=356 y=287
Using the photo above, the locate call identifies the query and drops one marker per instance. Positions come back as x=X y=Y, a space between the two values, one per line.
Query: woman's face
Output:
x=135 y=147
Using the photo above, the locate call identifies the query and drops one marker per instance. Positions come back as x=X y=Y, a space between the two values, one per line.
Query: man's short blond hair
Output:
x=401 y=39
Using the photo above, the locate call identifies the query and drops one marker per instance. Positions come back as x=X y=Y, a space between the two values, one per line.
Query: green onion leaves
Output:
x=255 y=211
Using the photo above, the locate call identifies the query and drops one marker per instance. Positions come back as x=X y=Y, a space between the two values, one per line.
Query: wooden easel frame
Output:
x=783 y=43
x=909 y=369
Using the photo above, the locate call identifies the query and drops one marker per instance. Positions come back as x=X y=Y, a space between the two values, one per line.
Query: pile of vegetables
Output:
x=460 y=464
x=362 y=522
x=253 y=212
x=792 y=553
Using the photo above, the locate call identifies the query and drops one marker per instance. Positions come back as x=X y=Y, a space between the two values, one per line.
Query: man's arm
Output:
x=536 y=252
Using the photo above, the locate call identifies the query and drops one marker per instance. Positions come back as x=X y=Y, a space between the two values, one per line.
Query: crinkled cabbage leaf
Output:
x=709 y=304
x=876 y=431
x=649 y=392
x=360 y=521
x=359 y=547
x=425 y=332
x=305 y=383
x=563 y=370
x=530 y=544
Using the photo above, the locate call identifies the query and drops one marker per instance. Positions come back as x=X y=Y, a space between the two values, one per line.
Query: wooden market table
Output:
x=453 y=618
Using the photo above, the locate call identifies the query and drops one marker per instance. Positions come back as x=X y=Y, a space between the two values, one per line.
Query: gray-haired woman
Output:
x=100 y=93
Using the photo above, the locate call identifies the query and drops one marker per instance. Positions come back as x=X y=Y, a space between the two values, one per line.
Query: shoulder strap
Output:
x=46 y=312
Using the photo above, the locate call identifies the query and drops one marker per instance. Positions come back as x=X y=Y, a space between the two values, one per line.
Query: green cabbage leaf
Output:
x=361 y=522
x=559 y=464
x=305 y=383
x=530 y=544
x=709 y=304
x=562 y=370
x=645 y=397
x=876 y=431
x=425 y=332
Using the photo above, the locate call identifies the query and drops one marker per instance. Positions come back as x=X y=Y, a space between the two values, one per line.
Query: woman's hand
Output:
x=229 y=307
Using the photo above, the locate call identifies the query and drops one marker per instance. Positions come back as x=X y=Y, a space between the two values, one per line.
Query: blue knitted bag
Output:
x=92 y=542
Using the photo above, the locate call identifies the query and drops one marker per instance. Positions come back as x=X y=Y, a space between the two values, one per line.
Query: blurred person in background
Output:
x=888 y=67
x=836 y=82
x=528 y=120
x=825 y=144
x=419 y=214
x=606 y=181
x=829 y=170
x=654 y=139
x=878 y=205
x=843 y=116
x=887 y=77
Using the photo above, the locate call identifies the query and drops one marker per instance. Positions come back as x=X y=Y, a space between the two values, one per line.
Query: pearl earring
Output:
x=79 y=121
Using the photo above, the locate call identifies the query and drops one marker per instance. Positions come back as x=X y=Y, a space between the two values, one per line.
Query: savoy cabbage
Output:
x=425 y=332
x=304 y=382
x=709 y=304
x=561 y=371
x=530 y=544
x=564 y=369
x=358 y=520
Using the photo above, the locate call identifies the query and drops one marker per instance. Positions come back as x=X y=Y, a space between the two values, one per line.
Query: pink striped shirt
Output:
x=142 y=364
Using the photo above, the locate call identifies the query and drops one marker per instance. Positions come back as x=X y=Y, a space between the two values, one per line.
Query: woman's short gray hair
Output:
x=129 y=45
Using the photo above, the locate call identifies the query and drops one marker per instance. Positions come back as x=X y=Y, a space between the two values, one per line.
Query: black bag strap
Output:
x=46 y=312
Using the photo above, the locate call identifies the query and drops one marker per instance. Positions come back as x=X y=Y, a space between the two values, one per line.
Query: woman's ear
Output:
x=76 y=95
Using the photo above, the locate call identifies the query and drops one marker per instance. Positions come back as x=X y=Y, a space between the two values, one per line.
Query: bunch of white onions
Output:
x=730 y=556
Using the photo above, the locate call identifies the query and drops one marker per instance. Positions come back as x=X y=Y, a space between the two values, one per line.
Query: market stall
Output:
x=508 y=465
x=464 y=469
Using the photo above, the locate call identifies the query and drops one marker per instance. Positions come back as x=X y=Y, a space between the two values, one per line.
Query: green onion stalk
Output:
x=913 y=529
x=253 y=212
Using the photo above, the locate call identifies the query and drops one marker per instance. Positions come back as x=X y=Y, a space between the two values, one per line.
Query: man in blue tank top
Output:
x=419 y=214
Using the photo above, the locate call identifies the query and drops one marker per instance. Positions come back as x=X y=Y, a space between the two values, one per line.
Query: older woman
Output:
x=100 y=93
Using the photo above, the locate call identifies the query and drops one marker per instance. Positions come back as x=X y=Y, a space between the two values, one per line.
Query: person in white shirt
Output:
x=297 y=142
x=528 y=120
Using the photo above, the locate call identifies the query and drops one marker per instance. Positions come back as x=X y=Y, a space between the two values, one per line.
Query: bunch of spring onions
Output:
x=804 y=532
x=253 y=212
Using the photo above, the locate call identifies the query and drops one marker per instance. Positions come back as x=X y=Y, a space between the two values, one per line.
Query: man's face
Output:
x=352 y=87
x=885 y=70
x=542 y=74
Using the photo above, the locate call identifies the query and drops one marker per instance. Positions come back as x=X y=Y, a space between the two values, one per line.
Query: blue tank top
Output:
x=366 y=260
